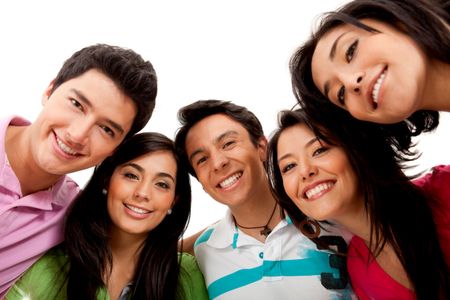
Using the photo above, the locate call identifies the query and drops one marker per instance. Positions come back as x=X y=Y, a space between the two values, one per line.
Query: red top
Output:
x=369 y=280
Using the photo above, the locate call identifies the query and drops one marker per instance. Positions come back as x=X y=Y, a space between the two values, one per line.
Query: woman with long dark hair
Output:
x=122 y=233
x=352 y=175
x=384 y=61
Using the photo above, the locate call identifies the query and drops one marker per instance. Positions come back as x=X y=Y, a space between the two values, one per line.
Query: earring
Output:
x=310 y=228
x=169 y=211
x=104 y=192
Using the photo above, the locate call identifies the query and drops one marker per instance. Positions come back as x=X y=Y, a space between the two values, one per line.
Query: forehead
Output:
x=295 y=136
x=161 y=161
x=212 y=127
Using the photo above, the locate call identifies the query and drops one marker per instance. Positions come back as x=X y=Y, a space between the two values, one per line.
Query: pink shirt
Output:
x=29 y=225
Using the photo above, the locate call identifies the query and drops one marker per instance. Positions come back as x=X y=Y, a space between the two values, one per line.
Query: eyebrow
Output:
x=216 y=140
x=309 y=143
x=142 y=170
x=326 y=87
x=86 y=101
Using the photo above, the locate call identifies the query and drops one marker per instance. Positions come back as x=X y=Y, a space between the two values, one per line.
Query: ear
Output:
x=262 y=148
x=47 y=92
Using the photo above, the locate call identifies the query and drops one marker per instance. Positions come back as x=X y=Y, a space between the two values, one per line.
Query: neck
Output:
x=437 y=88
x=356 y=221
x=18 y=150
x=259 y=211
x=124 y=245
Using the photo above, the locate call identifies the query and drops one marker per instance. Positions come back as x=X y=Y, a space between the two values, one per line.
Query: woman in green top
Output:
x=122 y=232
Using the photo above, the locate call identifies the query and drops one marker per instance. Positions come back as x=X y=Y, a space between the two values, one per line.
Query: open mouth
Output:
x=137 y=210
x=230 y=180
x=65 y=148
x=318 y=189
x=377 y=87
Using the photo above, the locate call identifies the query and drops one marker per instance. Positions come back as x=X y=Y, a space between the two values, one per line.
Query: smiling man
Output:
x=254 y=251
x=101 y=95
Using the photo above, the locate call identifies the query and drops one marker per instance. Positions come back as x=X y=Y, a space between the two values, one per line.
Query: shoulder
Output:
x=191 y=278
x=45 y=277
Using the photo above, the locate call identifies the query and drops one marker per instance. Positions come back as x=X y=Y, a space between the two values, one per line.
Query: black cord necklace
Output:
x=265 y=228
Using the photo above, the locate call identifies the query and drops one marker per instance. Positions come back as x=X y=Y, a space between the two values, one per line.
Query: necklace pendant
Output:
x=266 y=231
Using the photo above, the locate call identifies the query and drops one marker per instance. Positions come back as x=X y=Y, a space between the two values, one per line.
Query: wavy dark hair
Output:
x=134 y=76
x=425 y=21
x=193 y=113
x=86 y=231
x=398 y=210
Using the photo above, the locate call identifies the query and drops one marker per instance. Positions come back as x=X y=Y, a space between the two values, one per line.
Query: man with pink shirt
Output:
x=102 y=95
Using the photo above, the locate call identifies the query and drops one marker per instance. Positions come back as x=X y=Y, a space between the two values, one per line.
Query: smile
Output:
x=230 y=180
x=66 y=149
x=318 y=189
x=137 y=210
x=377 y=87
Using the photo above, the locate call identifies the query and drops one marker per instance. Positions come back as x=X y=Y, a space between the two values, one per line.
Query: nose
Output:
x=219 y=160
x=141 y=193
x=308 y=171
x=356 y=82
x=77 y=134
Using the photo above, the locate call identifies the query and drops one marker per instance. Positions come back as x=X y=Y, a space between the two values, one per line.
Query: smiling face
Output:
x=227 y=164
x=141 y=192
x=81 y=123
x=376 y=76
x=317 y=177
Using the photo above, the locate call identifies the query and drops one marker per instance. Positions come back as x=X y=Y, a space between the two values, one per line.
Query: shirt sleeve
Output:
x=191 y=280
x=46 y=279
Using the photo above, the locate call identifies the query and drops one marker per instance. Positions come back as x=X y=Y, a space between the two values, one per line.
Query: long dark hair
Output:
x=425 y=21
x=86 y=231
x=398 y=210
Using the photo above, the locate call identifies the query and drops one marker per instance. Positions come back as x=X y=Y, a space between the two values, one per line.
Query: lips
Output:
x=229 y=181
x=377 y=87
x=316 y=190
x=66 y=149
x=136 y=209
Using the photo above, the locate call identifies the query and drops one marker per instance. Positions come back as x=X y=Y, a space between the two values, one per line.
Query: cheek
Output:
x=290 y=186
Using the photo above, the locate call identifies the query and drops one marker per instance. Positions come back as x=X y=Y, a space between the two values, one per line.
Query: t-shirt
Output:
x=286 y=266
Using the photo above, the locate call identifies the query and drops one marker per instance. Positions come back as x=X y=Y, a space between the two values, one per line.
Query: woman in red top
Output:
x=352 y=175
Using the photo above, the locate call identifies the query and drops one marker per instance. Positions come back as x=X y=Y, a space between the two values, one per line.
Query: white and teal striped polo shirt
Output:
x=287 y=266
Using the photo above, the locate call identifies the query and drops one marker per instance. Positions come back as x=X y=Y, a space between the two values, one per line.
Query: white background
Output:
x=234 y=50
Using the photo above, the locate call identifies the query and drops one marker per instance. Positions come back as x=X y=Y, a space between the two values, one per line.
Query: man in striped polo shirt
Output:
x=254 y=251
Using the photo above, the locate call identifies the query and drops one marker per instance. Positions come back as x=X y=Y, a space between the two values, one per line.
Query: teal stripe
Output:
x=312 y=266
x=204 y=237
x=288 y=220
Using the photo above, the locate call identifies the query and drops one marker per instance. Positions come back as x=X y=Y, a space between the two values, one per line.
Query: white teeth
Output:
x=319 y=188
x=230 y=180
x=137 y=209
x=377 y=85
x=66 y=149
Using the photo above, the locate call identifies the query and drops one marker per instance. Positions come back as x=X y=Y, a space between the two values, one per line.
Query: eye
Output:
x=341 y=96
x=351 y=51
x=108 y=131
x=228 y=144
x=288 y=167
x=320 y=150
x=201 y=160
x=76 y=104
x=163 y=185
x=131 y=176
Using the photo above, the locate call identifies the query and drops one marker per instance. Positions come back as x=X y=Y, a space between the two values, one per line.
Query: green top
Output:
x=50 y=270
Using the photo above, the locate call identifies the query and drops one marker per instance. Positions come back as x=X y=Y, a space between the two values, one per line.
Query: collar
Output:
x=225 y=233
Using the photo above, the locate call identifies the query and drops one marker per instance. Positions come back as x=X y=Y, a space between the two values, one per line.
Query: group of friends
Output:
x=322 y=209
